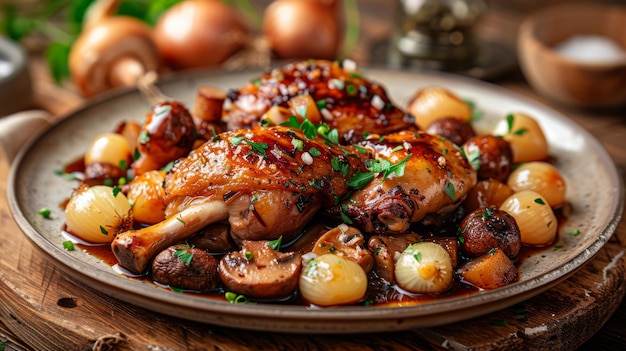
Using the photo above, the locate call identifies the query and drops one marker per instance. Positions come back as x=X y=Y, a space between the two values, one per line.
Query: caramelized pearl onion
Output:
x=525 y=135
x=96 y=214
x=534 y=216
x=541 y=177
x=424 y=267
x=330 y=279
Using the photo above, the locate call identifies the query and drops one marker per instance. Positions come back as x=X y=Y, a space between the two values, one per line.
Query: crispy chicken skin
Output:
x=436 y=178
x=272 y=179
x=353 y=105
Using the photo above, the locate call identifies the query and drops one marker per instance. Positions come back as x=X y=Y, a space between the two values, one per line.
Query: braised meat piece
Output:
x=346 y=100
x=268 y=182
x=411 y=177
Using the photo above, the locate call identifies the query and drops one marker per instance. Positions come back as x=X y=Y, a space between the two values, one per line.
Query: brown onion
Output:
x=303 y=29
x=199 y=33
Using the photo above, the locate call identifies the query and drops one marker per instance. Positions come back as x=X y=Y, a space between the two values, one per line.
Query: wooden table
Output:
x=41 y=308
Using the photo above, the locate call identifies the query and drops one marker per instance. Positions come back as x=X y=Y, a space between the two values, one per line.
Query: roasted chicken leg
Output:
x=268 y=182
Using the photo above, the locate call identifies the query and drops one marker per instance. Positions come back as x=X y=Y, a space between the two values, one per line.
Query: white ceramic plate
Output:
x=594 y=190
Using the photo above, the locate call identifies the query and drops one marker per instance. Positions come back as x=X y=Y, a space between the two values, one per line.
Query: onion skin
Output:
x=525 y=136
x=432 y=103
x=109 y=148
x=541 y=177
x=534 y=216
x=199 y=33
x=303 y=29
x=330 y=280
x=96 y=214
x=424 y=267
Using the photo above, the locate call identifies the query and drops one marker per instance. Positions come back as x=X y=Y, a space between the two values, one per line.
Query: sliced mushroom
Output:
x=386 y=250
x=347 y=242
x=186 y=267
x=259 y=271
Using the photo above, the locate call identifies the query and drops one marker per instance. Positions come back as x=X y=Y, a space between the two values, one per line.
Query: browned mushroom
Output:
x=488 y=228
x=259 y=271
x=186 y=267
x=167 y=134
x=386 y=249
x=348 y=242
x=114 y=51
x=214 y=238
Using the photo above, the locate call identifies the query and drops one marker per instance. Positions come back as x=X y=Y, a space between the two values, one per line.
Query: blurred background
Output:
x=477 y=38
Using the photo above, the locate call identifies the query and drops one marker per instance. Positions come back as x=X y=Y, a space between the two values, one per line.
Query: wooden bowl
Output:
x=569 y=80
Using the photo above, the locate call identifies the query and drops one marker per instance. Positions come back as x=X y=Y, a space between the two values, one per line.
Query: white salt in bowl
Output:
x=575 y=54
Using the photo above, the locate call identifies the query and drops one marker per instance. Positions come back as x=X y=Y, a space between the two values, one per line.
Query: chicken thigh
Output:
x=411 y=177
x=268 y=182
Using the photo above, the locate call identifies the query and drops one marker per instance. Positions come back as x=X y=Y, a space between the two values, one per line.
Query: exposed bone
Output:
x=135 y=248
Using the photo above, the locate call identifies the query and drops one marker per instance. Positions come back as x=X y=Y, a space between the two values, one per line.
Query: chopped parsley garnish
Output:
x=314 y=152
x=123 y=164
x=344 y=215
x=377 y=166
x=168 y=166
x=44 y=212
x=144 y=137
x=184 y=255
x=418 y=256
x=249 y=255
x=573 y=232
x=235 y=139
x=509 y=121
x=103 y=230
x=275 y=244
x=235 y=298
x=476 y=114
x=67 y=176
x=321 y=104
x=180 y=219
x=450 y=191
x=340 y=166
x=360 y=179
x=116 y=190
x=539 y=201
x=258 y=147
x=297 y=144
x=68 y=245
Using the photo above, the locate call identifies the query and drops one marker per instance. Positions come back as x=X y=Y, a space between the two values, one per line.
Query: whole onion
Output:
x=199 y=33
x=303 y=29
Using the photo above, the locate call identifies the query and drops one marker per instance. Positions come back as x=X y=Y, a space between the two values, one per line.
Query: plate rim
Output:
x=538 y=284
